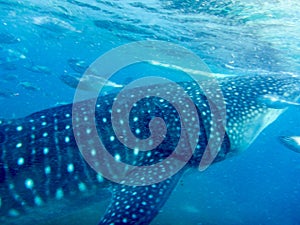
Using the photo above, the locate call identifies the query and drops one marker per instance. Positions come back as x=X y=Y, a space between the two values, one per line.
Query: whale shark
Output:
x=41 y=165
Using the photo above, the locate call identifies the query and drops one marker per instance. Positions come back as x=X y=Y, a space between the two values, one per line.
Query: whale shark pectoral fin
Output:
x=291 y=142
x=138 y=204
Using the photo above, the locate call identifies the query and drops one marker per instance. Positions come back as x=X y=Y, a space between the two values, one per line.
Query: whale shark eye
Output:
x=2 y=137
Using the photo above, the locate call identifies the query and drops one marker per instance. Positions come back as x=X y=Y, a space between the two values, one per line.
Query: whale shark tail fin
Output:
x=291 y=142
x=138 y=204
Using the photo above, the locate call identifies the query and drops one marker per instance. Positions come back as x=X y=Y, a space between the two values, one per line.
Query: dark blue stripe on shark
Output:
x=2 y=137
x=2 y=173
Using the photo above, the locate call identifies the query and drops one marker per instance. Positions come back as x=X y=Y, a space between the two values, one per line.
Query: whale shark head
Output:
x=247 y=111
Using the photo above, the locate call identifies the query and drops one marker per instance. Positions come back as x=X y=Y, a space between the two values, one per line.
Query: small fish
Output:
x=54 y=24
x=78 y=65
x=7 y=38
x=291 y=142
x=7 y=94
x=88 y=83
x=9 y=77
x=29 y=86
x=276 y=102
x=8 y=66
x=9 y=58
x=72 y=80
x=38 y=69
x=61 y=103
x=4 y=94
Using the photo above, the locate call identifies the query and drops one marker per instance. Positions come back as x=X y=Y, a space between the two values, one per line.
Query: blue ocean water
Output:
x=39 y=40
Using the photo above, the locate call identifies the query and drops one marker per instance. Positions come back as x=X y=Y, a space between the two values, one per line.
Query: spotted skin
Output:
x=138 y=204
x=40 y=161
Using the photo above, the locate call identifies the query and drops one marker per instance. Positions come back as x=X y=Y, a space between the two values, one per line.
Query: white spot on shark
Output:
x=117 y=157
x=70 y=168
x=19 y=128
x=19 y=145
x=67 y=139
x=29 y=183
x=38 y=200
x=47 y=170
x=82 y=187
x=21 y=161
x=88 y=130
x=99 y=178
x=136 y=151
x=46 y=151
x=137 y=131
x=59 y=194
x=93 y=152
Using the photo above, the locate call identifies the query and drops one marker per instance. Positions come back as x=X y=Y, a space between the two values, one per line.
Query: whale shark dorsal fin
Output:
x=138 y=204
x=291 y=142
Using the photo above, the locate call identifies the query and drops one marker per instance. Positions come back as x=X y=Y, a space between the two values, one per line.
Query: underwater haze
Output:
x=46 y=46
